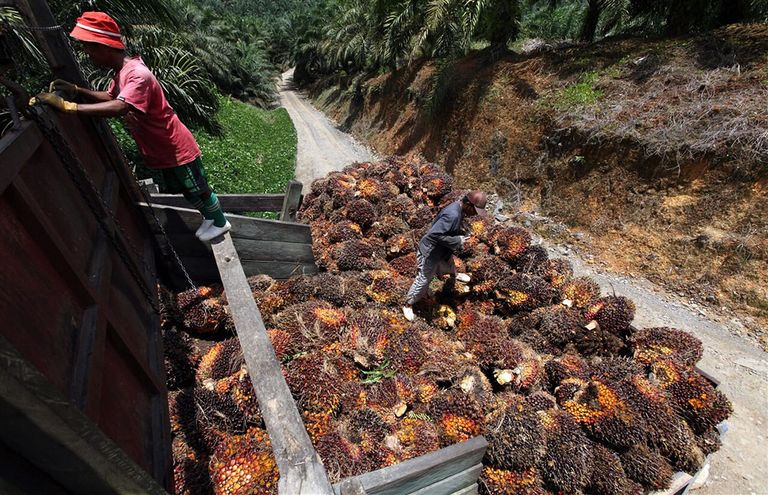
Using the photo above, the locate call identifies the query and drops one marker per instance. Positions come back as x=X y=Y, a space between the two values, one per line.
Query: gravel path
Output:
x=322 y=147
x=739 y=467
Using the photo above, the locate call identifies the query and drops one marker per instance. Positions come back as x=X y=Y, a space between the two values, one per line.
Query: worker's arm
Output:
x=70 y=91
x=95 y=96
x=111 y=108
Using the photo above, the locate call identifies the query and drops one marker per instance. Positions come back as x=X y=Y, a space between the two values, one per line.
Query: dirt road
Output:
x=739 y=467
x=322 y=148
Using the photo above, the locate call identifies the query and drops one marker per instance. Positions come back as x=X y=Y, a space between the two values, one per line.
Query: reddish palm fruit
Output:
x=244 y=397
x=371 y=430
x=260 y=283
x=436 y=185
x=395 y=177
x=349 y=290
x=557 y=272
x=282 y=343
x=329 y=288
x=651 y=344
x=361 y=212
x=405 y=265
x=295 y=289
x=221 y=361
x=190 y=470
x=311 y=324
x=353 y=255
x=319 y=186
x=473 y=382
x=314 y=382
x=496 y=481
x=531 y=260
x=369 y=189
x=568 y=462
x=206 y=416
x=413 y=437
x=602 y=411
x=340 y=185
x=458 y=417
x=608 y=477
x=389 y=226
x=341 y=452
x=617 y=369
x=169 y=311
x=420 y=217
x=667 y=433
x=569 y=365
x=560 y=325
x=541 y=401
x=523 y=292
x=399 y=245
x=443 y=317
x=391 y=397
x=646 y=467
x=317 y=425
x=515 y=435
x=709 y=442
x=269 y=304
x=244 y=465
x=387 y=287
x=579 y=292
x=181 y=358
x=487 y=271
x=345 y=231
x=486 y=337
x=595 y=341
x=510 y=242
x=201 y=309
x=614 y=314
x=695 y=399
x=368 y=335
x=408 y=352
x=451 y=197
x=399 y=207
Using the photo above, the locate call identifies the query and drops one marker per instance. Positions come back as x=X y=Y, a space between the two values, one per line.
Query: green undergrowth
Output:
x=256 y=153
x=580 y=94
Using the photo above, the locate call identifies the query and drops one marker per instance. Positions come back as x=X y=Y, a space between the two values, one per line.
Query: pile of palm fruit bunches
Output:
x=571 y=398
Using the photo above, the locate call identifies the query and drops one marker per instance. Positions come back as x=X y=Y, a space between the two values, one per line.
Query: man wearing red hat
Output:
x=135 y=94
x=434 y=255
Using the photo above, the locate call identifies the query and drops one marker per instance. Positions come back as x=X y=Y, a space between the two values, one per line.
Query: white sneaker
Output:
x=203 y=226
x=214 y=231
x=408 y=313
x=463 y=277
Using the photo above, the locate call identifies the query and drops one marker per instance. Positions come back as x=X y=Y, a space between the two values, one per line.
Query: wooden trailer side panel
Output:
x=72 y=308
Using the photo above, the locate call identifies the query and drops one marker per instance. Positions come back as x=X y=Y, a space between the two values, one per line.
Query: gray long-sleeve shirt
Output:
x=444 y=237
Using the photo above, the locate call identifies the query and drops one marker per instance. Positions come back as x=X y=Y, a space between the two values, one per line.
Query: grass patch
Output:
x=581 y=94
x=256 y=153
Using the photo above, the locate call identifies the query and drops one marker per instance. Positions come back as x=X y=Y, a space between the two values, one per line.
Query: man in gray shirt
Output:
x=435 y=251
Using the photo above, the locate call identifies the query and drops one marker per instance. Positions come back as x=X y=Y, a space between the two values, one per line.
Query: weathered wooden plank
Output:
x=292 y=201
x=416 y=474
x=184 y=220
x=42 y=426
x=679 y=482
x=301 y=472
x=708 y=376
x=248 y=249
x=16 y=148
x=452 y=484
x=203 y=270
x=470 y=490
x=229 y=202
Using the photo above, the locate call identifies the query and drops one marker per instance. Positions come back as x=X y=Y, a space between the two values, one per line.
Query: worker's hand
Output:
x=68 y=89
x=56 y=102
x=463 y=239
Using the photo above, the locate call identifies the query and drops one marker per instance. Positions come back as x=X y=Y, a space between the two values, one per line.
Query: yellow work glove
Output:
x=56 y=102
x=68 y=89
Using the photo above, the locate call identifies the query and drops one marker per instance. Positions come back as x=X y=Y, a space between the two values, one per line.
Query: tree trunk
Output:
x=589 y=28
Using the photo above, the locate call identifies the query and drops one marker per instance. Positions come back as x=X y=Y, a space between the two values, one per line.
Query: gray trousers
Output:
x=428 y=268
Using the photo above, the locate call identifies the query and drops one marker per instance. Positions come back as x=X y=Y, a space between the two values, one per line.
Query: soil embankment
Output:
x=648 y=154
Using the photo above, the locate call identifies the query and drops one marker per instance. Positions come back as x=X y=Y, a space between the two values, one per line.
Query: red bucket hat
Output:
x=98 y=27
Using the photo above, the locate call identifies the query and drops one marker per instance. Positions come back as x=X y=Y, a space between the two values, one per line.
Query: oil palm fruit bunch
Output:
x=571 y=397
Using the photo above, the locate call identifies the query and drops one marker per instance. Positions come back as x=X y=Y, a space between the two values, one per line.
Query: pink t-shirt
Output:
x=162 y=138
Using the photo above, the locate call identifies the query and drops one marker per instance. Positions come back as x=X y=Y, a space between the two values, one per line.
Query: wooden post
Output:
x=292 y=201
x=301 y=472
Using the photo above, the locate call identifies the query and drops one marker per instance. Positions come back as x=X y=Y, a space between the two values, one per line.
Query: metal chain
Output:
x=89 y=192
x=44 y=28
